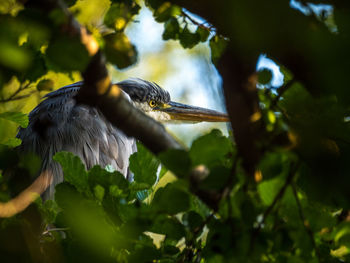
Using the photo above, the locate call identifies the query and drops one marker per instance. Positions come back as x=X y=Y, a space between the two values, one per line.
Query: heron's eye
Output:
x=152 y=103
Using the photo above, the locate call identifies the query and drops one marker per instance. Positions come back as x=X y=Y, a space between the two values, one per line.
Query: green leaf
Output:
x=166 y=11
x=119 y=50
x=177 y=161
x=217 y=178
x=15 y=57
x=264 y=76
x=119 y=14
x=99 y=192
x=45 y=85
x=188 y=39
x=67 y=54
x=17 y=117
x=211 y=149
x=74 y=171
x=37 y=71
x=144 y=165
x=170 y=227
x=12 y=142
x=99 y=176
x=192 y=220
x=171 y=29
x=217 y=46
x=171 y=200
x=203 y=33
x=268 y=189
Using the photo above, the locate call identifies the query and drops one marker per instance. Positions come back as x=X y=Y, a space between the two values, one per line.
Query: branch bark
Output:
x=99 y=91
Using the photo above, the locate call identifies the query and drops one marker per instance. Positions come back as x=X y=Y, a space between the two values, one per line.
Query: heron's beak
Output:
x=182 y=112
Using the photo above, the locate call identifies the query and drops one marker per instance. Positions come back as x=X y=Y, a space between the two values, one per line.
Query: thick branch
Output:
x=98 y=91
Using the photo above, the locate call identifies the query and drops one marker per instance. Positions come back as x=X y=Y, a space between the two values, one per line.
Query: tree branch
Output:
x=98 y=90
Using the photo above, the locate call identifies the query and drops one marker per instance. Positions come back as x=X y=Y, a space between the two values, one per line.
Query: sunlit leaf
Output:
x=12 y=142
x=17 y=117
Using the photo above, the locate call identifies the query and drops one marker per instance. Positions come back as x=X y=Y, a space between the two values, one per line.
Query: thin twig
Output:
x=14 y=96
x=291 y=175
x=307 y=228
x=280 y=92
x=202 y=25
x=55 y=229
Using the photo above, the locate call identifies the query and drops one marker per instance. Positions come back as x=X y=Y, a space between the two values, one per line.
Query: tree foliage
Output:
x=276 y=192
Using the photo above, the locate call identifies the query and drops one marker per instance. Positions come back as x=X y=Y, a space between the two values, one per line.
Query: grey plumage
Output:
x=60 y=124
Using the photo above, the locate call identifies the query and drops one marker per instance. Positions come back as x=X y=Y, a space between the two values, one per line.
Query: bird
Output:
x=59 y=123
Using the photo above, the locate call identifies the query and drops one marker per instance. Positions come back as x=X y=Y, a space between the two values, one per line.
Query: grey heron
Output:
x=60 y=124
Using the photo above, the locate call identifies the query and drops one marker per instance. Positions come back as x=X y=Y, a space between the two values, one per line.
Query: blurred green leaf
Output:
x=165 y=11
x=14 y=57
x=17 y=117
x=119 y=50
x=12 y=142
x=67 y=54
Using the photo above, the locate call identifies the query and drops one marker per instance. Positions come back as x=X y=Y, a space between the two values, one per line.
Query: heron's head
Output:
x=155 y=102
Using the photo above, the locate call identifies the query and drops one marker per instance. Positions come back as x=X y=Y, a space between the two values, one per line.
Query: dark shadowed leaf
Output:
x=67 y=54
x=203 y=33
x=171 y=29
x=211 y=149
x=168 y=226
x=264 y=76
x=177 y=161
x=192 y=220
x=189 y=39
x=171 y=200
x=217 y=46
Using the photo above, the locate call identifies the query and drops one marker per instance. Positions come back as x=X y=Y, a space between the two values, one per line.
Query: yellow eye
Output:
x=152 y=103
